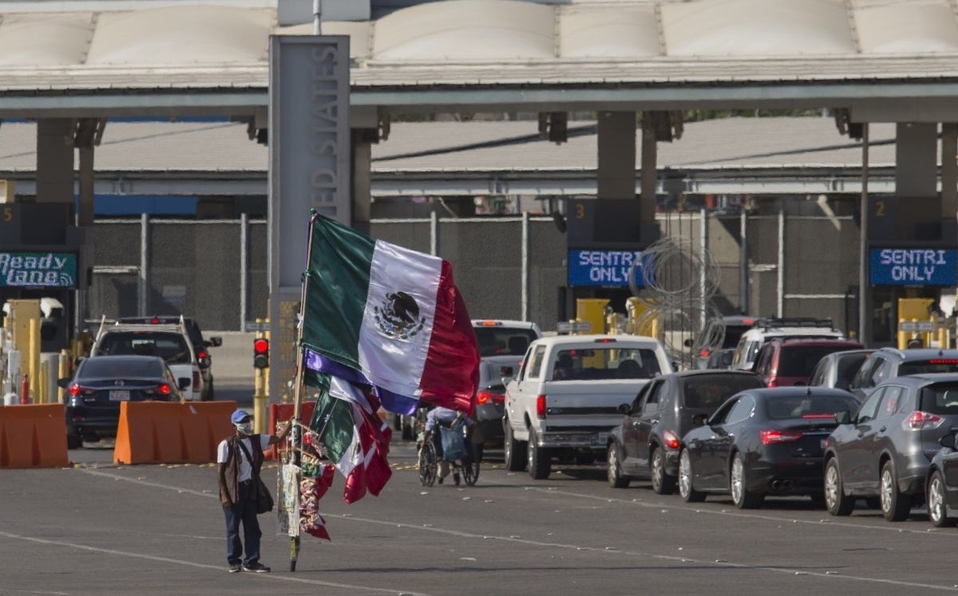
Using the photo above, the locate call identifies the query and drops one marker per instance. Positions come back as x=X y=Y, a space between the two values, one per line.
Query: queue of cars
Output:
x=138 y=359
x=812 y=414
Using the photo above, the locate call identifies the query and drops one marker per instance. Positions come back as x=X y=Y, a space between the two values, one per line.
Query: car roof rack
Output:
x=793 y=322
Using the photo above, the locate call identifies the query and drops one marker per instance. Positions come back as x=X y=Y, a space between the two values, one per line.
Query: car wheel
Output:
x=513 y=451
x=614 y=467
x=836 y=501
x=895 y=506
x=73 y=441
x=539 y=460
x=937 y=509
x=686 y=490
x=662 y=483
x=741 y=496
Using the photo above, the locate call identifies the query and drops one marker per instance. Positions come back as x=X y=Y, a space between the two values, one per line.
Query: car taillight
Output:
x=670 y=440
x=773 y=382
x=704 y=353
x=541 y=407
x=76 y=390
x=201 y=355
x=774 y=437
x=919 y=420
x=484 y=397
x=161 y=389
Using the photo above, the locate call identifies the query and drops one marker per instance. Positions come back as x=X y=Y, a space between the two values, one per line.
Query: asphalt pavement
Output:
x=98 y=529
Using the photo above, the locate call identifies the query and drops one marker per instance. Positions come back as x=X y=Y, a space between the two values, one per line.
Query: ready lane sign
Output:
x=606 y=268
x=38 y=270
x=913 y=266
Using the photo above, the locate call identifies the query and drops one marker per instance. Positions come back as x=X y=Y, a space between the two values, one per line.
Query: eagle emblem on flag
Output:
x=398 y=316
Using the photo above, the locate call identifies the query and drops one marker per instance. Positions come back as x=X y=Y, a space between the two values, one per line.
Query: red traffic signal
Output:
x=261 y=353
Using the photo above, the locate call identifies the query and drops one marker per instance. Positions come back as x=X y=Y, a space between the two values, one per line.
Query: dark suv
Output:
x=784 y=362
x=885 y=449
x=646 y=443
x=888 y=363
x=200 y=345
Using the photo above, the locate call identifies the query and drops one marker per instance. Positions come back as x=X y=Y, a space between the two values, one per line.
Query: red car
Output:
x=790 y=361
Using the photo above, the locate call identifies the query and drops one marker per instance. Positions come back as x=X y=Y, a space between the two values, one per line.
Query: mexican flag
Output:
x=386 y=316
x=356 y=438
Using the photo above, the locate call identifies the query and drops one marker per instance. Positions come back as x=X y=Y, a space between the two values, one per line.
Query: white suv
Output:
x=169 y=342
x=764 y=330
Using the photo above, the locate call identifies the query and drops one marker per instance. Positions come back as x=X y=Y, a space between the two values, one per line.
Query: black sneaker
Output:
x=455 y=478
x=440 y=479
x=236 y=568
x=256 y=568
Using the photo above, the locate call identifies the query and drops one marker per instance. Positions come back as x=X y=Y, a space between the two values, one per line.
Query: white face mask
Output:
x=246 y=428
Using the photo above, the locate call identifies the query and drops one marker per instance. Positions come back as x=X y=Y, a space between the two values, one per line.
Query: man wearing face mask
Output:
x=239 y=459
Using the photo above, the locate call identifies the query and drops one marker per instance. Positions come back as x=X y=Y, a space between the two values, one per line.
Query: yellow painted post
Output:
x=43 y=393
x=62 y=373
x=34 y=362
x=259 y=394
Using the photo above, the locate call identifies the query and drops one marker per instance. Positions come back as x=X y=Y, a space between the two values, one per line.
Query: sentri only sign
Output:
x=913 y=266
x=608 y=268
x=38 y=270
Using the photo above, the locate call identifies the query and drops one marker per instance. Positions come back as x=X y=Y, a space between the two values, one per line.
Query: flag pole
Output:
x=299 y=381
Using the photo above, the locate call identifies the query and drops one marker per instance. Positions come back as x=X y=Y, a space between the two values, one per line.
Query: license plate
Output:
x=119 y=396
x=599 y=439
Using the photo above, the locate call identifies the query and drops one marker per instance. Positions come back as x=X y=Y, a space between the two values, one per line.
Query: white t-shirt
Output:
x=245 y=468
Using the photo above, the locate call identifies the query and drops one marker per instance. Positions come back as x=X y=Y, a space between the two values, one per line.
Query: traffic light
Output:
x=261 y=353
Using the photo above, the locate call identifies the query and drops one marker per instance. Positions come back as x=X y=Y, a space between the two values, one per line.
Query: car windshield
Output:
x=503 y=341
x=711 y=391
x=171 y=347
x=120 y=368
x=935 y=365
x=733 y=333
x=809 y=406
x=940 y=399
x=800 y=361
x=605 y=363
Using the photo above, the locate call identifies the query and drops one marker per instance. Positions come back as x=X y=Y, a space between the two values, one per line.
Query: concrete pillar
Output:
x=362 y=179
x=916 y=156
x=615 y=178
x=55 y=160
x=85 y=213
x=949 y=171
x=649 y=169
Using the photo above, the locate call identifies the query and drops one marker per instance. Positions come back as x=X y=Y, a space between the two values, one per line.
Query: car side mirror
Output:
x=216 y=341
x=624 y=409
x=184 y=383
x=700 y=419
x=948 y=441
x=63 y=383
x=843 y=417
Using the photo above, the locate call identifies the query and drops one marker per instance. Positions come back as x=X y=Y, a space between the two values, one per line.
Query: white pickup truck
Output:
x=565 y=399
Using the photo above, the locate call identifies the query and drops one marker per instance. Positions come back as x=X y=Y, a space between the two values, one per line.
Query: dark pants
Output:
x=243 y=510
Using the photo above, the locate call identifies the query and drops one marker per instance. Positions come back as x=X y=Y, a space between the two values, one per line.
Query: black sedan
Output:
x=490 y=405
x=646 y=443
x=102 y=383
x=762 y=442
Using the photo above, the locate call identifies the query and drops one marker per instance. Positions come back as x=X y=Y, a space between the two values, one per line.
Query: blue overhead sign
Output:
x=607 y=268
x=38 y=270
x=913 y=267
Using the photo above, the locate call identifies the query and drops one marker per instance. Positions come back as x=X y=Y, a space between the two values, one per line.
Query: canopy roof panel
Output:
x=197 y=45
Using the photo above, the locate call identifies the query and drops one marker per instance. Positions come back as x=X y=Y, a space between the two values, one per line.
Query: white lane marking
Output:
x=219 y=568
x=588 y=548
x=6 y=591
x=828 y=521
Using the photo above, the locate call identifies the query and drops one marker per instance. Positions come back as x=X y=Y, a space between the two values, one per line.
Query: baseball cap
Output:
x=239 y=416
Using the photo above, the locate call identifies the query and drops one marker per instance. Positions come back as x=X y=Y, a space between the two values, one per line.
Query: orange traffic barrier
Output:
x=171 y=433
x=33 y=436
